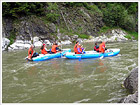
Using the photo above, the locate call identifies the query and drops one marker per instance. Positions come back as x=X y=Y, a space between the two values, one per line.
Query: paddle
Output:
x=102 y=57
x=82 y=54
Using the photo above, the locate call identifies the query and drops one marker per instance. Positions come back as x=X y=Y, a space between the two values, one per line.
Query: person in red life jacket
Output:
x=102 y=47
x=80 y=49
x=31 y=53
x=55 y=48
x=43 y=49
x=96 y=47
x=75 y=47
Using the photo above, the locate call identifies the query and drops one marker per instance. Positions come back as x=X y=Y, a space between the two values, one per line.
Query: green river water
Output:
x=63 y=80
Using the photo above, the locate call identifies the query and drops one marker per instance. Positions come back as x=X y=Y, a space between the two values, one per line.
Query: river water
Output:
x=63 y=80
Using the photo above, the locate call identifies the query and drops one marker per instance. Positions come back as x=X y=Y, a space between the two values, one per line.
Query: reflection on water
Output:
x=101 y=66
x=67 y=81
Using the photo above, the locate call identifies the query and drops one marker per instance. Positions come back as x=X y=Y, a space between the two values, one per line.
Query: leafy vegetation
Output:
x=132 y=35
x=115 y=14
x=12 y=37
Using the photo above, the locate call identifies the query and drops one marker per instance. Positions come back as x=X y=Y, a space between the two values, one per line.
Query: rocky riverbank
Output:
x=115 y=35
x=131 y=83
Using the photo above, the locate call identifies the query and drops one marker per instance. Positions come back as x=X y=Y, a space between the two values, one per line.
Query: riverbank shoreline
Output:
x=115 y=35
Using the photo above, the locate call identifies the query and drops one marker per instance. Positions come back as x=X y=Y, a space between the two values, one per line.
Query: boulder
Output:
x=47 y=42
x=35 y=39
x=132 y=98
x=52 y=27
x=5 y=43
x=66 y=37
x=38 y=43
x=66 y=42
x=20 y=44
x=75 y=36
x=80 y=40
x=131 y=82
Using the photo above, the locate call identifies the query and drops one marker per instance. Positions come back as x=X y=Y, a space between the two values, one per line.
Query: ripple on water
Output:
x=65 y=80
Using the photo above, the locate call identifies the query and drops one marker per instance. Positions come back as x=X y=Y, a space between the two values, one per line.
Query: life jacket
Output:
x=80 y=49
x=44 y=51
x=54 y=48
x=30 y=53
x=102 y=47
x=75 y=48
x=96 y=49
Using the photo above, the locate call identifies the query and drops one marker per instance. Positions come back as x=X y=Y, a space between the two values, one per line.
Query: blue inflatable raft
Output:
x=43 y=57
x=93 y=54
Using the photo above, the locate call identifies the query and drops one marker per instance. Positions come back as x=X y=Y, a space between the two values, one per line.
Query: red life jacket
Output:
x=75 y=48
x=44 y=51
x=96 y=49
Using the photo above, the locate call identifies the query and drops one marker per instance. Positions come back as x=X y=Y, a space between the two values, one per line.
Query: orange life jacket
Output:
x=102 y=47
x=44 y=51
x=54 y=48
x=75 y=48
x=30 y=53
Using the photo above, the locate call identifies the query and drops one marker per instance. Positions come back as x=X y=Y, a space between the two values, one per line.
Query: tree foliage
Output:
x=115 y=14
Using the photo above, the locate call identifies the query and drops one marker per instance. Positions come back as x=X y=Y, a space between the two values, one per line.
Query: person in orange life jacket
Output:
x=102 y=47
x=43 y=49
x=96 y=47
x=55 y=48
x=75 y=47
x=31 y=53
x=80 y=49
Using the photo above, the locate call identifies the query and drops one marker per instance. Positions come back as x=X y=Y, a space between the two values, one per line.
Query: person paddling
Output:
x=96 y=47
x=31 y=53
x=55 y=48
x=75 y=47
x=102 y=47
x=80 y=49
x=43 y=49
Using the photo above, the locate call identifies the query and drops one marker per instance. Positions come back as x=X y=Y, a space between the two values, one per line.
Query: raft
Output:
x=43 y=57
x=92 y=54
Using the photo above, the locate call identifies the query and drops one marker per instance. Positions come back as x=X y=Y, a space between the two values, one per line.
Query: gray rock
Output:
x=131 y=82
x=47 y=42
x=75 y=36
x=132 y=98
x=5 y=43
x=66 y=37
x=52 y=27
x=35 y=39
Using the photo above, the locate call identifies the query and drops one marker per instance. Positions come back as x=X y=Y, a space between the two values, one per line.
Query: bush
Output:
x=128 y=36
x=132 y=34
x=129 y=23
x=83 y=36
x=133 y=8
x=52 y=17
x=17 y=9
x=12 y=37
x=114 y=15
